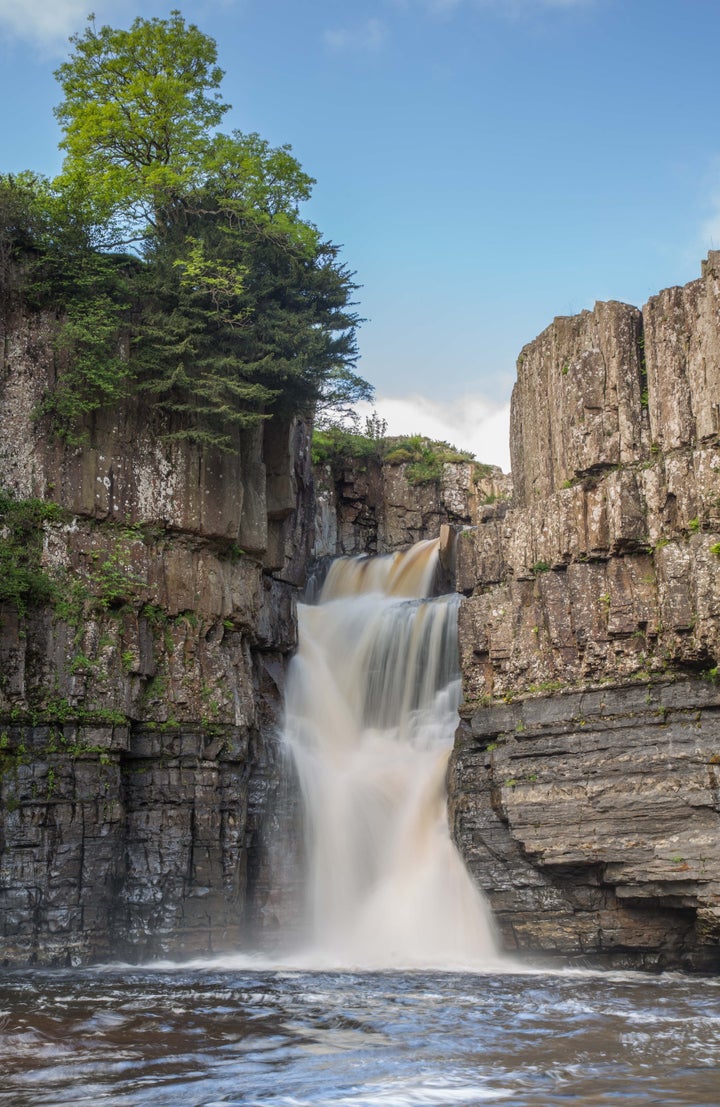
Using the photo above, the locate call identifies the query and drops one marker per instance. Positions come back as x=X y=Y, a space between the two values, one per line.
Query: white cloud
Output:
x=48 y=24
x=369 y=36
x=45 y=23
x=471 y=422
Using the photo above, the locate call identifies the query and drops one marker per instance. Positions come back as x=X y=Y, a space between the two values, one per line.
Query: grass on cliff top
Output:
x=424 y=457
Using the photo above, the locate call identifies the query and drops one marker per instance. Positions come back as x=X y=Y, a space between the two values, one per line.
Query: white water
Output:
x=371 y=711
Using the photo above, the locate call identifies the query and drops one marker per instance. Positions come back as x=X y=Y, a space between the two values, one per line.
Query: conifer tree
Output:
x=233 y=307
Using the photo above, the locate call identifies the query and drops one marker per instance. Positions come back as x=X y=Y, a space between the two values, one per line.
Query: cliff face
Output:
x=140 y=779
x=371 y=506
x=584 y=784
x=144 y=805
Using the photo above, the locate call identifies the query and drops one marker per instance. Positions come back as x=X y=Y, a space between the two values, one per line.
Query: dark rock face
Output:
x=372 y=507
x=591 y=820
x=142 y=785
x=583 y=788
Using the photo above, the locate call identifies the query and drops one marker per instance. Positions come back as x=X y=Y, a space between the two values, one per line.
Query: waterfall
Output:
x=371 y=710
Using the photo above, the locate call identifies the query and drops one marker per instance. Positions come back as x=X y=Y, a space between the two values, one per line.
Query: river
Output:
x=214 y=1034
x=370 y=715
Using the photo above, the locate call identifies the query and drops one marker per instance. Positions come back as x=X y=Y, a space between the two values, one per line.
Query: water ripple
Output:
x=294 y=1039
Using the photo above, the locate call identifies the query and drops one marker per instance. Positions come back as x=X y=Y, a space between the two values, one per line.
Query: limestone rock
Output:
x=682 y=348
x=140 y=774
x=576 y=406
x=583 y=789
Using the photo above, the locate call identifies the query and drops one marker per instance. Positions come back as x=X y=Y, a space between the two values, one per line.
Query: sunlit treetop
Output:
x=139 y=111
x=234 y=308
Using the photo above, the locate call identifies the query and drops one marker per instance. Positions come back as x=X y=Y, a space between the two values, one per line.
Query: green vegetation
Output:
x=541 y=567
x=174 y=254
x=335 y=446
x=547 y=686
x=715 y=549
x=23 y=580
x=116 y=585
x=425 y=458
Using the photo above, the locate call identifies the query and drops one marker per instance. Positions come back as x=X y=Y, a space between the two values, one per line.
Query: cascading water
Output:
x=371 y=710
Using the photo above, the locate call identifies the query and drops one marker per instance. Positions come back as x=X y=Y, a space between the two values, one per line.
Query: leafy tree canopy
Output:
x=231 y=307
x=138 y=114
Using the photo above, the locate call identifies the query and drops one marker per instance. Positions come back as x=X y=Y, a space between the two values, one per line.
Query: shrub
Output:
x=23 y=581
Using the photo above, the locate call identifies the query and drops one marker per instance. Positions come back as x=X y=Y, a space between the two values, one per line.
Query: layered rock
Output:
x=576 y=401
x=592 y=615
x=141 y=780
x=591 y=820
x=371 y=505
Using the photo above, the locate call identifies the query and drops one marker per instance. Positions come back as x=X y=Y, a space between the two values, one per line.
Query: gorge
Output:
x=146 y=804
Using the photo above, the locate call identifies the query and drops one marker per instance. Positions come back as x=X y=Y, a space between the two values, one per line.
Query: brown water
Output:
x=215 y=1035
x=370 y=715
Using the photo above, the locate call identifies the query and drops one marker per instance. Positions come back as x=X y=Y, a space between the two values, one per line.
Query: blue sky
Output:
x=486 y=164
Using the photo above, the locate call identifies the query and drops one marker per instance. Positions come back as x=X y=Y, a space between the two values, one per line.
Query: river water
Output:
x=214 y=1034
x=370 y=715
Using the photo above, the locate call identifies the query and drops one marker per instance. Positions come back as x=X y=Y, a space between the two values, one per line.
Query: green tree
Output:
x=232 y=308
x=48 y=259
x=138 y=114
x=243 y=320
x=21 y=225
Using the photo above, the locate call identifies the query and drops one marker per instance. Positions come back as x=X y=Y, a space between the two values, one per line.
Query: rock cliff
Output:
x=145 y=808
x=371 y=505
x=584 y=783
x=140 y=780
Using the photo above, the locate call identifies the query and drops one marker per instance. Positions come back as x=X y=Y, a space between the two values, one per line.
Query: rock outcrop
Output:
x=140 y=780
x=371 y=505
x=583 y=786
